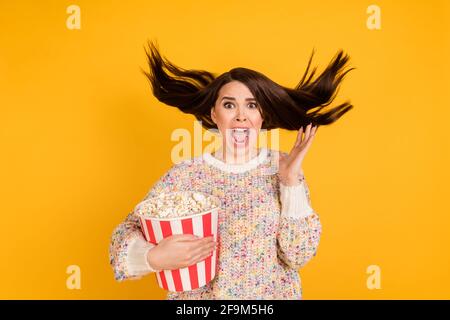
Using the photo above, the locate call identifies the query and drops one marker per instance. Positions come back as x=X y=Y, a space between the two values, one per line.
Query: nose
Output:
x=241 y=117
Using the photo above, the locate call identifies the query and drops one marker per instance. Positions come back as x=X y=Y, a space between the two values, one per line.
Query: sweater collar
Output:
x=236 y=168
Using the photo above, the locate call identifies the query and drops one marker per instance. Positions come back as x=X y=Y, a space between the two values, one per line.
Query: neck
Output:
x=236 y=156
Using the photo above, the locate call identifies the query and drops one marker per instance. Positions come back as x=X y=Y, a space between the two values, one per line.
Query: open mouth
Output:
x=240 y=135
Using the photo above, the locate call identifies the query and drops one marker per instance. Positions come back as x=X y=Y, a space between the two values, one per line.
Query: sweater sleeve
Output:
x=128 y=247
x=299 y=228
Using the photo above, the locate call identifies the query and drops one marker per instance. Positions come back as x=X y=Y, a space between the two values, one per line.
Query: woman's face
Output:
x=237 y=116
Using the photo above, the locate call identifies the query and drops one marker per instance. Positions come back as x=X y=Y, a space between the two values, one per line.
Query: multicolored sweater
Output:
x=267 y=231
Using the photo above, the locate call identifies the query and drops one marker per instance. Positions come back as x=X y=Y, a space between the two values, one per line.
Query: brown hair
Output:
x=196 y=91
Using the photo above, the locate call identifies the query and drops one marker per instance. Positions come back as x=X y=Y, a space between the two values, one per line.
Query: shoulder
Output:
x=189 y=163
x=186 y=165
x=177 y=176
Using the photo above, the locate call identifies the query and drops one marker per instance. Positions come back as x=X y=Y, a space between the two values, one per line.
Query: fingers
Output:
x=308 y=131
x=192 y=237
x=202 y=252
x=302 y=145
x=197 y=246
x=204 y=244
x=299 y=137
x=311 y=136
x=312 y=133
x=199 y=258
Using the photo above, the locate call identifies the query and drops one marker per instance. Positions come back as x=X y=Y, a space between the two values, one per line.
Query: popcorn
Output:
x=182 y=212
x=176 y=204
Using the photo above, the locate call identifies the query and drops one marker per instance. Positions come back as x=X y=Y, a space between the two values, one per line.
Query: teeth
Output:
x=240 y=130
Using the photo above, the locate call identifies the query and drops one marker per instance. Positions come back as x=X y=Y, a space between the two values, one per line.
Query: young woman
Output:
x=267 y=227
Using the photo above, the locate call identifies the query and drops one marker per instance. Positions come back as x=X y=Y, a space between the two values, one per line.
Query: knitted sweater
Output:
x=266 y=230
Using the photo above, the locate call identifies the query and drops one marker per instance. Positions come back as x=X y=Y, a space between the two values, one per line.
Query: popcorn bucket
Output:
x=202 y=224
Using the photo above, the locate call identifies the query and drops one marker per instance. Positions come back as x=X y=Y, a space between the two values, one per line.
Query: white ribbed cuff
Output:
x=294 y=201
x=137 y=256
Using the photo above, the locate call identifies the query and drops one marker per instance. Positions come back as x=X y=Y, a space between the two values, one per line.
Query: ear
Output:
x=213 y=115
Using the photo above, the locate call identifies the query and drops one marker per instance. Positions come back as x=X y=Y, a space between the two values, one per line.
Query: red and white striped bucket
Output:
x=201 y=224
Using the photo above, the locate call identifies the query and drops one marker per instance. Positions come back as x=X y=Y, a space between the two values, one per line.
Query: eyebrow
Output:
x=232 y=98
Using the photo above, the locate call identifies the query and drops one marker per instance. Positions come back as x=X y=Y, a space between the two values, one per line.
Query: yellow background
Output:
x=83 y=139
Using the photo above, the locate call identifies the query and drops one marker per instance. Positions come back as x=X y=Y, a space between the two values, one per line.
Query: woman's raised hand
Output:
x=290 y=166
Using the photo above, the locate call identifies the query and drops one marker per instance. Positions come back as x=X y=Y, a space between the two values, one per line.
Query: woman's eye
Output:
x=251 y=105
